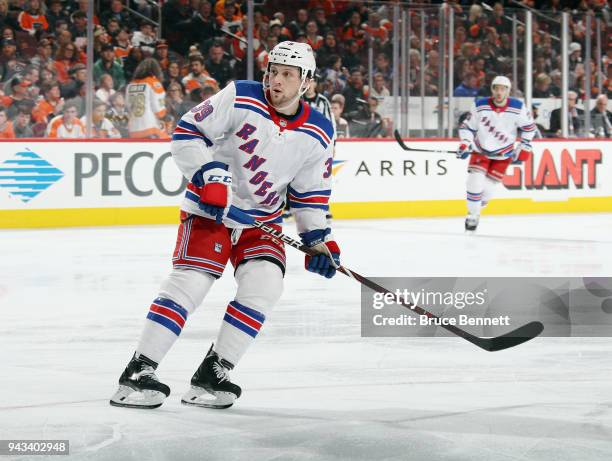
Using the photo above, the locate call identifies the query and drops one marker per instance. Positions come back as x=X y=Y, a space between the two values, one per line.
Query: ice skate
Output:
x=139 y=387
x=471 y=223
x=210 y=385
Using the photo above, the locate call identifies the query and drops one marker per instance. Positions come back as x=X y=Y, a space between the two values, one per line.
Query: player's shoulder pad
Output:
x=250 y=89
x=319 y=120
x=479 y=102
x=515 y=103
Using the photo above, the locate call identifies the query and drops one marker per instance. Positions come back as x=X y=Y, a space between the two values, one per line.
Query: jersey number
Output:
x=137 y=104
x=202 y=111
x=328 y=170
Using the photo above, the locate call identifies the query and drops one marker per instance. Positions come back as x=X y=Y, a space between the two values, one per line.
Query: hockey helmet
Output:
x=294 y=54
x=503 y=81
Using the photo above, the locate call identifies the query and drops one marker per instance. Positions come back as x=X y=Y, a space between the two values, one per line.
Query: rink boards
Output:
x=51 y=184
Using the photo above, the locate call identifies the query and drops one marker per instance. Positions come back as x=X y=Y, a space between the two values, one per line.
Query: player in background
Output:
x=318 y=101
x=246 y=146
x=497 y=131
x=146 y=101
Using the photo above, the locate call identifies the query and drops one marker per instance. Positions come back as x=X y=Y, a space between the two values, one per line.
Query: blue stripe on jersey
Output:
x=314 y=135
x=291 y=190
x=253 y=108
x=482 y=102
x=250 y=89
x=186 y=137
x=188 y=126
x=169 y=324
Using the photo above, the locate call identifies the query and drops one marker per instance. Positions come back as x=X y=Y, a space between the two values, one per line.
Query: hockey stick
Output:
x=400 y=141
x=498 y=343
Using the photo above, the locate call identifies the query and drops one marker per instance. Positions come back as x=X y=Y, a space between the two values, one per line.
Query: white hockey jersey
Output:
x=494 y=130
x=270 y=157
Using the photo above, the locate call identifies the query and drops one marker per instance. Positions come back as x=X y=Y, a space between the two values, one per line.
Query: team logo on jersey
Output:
x=27 y=174
x=218 y=247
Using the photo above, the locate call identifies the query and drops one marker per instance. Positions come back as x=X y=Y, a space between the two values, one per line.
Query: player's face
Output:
x=500 y=93
x=284 y=83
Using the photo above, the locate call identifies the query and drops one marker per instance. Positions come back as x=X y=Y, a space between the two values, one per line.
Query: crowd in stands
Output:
x=146 y=78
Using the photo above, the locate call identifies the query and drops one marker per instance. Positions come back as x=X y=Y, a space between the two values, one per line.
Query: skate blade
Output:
x=200 y=397
x=131 y=398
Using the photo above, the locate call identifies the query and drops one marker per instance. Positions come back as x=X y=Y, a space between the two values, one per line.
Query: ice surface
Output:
x=73 y=302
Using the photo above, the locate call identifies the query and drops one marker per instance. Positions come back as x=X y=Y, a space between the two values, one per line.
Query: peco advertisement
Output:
x=99 y=183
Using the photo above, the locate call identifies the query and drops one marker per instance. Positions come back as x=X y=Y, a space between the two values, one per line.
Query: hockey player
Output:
x=246 y=146
x=497 y=131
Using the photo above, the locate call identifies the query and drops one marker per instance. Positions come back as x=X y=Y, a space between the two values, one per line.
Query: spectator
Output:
x=6 y=18
x=299 y=24
x=78 y=77
x=122 y=45
x=218 y=65
x=117 y=114
x=469 y=86
x=230 y=19
x=352 y=30
x=601 y=118
x=203 y=26
x=101 y=126
x=353 y=91
x=134 y=58
x=118 y=13
x=541 y=88
x=323 y=24
x=176 y=104
x=107 y=64
x=18 y=93
x=145 y=38
x=78 y=30
x=50 y=105
x=22 y=125
x=67 y=125
x=351 y=57
x=173 y=74
x=55 y=13
x=161 y=55
x=32 y=18
x=379 y=90
x=198 y=77
x=44 y=52
x=65 y=57
x=575 y=118
x=337 y=107
x=106 y=88
x=146 y=101
x=6 y=126
x=312 y=35
x=382 y=64
x=575 y=56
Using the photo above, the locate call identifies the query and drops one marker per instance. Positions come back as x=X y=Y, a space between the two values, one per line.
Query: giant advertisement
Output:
x=105 y=183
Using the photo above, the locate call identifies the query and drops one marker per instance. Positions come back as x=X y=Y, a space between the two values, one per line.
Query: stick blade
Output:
x=400 y=141
x=513 y=338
